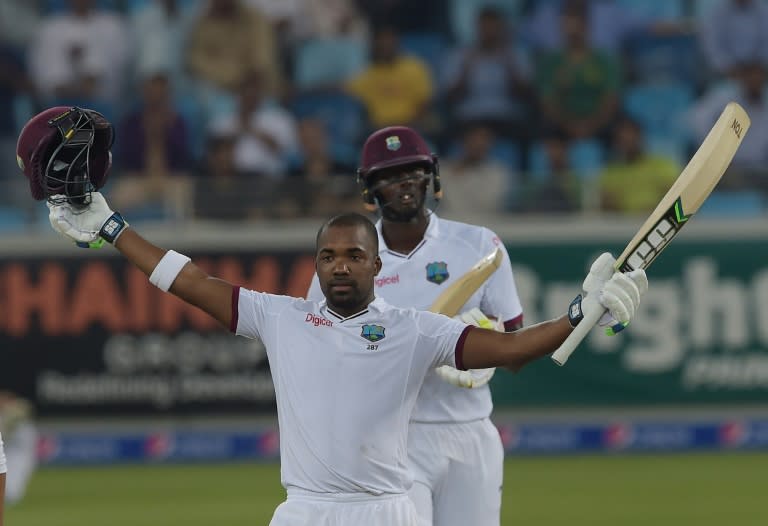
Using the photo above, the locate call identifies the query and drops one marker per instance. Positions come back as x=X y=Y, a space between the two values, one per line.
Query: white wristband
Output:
x=167 y=269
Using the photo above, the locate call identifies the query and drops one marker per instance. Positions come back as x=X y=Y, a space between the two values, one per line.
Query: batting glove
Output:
x=616 y=292
x=88 y=226
x=472 y=378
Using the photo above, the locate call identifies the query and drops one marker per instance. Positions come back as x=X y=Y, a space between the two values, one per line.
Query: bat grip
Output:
x=592 y=316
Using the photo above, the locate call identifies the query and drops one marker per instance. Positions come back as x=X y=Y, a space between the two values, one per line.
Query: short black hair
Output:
x=351 y=219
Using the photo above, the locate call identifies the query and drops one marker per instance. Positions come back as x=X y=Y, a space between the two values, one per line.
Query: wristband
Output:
x=167 y=269
x=113 y=227
x=575 y=314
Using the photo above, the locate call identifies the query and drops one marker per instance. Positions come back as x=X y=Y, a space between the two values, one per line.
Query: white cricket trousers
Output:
x=304 y=508
x=458 y=471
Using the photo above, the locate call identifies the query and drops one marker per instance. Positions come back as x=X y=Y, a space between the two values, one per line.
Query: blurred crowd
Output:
x=248 y=109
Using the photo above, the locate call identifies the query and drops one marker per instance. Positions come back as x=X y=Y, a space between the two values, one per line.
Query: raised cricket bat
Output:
x=456 y=295
x=687 y=194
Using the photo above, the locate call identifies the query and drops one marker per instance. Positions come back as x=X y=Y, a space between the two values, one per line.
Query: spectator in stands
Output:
x=579 y=87
x=609 y=25
x=749 y=87
x=81 y=55
x=734 y=33
x=222 y=192
x=227 y=42
x=153 y=152
x=488 y=81
x=406 y=16
x=634 y=180
x=265 y=132
x=14 y=83
x=160 y=29
x=395 y=88
x=19 y=22
x=297 y=21
x=329 y=187
x=559 y=188
x=475 y=183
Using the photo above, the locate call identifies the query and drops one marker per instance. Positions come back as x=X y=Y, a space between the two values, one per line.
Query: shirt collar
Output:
x=378 y=305
x=432 y=232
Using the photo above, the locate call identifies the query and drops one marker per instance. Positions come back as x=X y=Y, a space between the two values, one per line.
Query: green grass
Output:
x=679 y=490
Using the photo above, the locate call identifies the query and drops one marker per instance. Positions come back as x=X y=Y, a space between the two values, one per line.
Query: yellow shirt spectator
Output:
x=637 y=186
x=395 y=92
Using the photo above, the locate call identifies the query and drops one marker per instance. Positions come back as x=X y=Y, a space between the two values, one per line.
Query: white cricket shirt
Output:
x=346 y=387
x=448 y=250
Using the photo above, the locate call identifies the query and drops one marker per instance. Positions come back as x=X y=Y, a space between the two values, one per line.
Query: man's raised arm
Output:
x=166 y=269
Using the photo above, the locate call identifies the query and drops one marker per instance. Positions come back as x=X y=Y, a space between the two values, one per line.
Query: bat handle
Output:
x=561 y=355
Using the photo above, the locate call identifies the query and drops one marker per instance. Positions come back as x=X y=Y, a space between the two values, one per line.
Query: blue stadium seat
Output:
x=429 y=47
x=343 y=116
x=666 y=145
x=727 y=203
x=188 y=105
x=586 y=158
x=702 y=8
x=131 y=6
x=328 y=61
x=660 y=108
x=507 y=152
x=58 y=6
x=655 y=58
x=23 y=110
x=667 y=10
x=12 y=218
x=538 y=163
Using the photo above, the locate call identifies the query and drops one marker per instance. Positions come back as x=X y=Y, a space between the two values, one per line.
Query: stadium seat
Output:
x=538 y=163
x=660 y=108
x=702 y=8
x=328 y=61
x=666 y=10
x=57 y=6
x=429 y=47
x=741 y=204
x=23 y=110
x=189 y=107
x=343 y=116
x=656 y=58
x=12 y=218
x=586 y=157
x=131 y=6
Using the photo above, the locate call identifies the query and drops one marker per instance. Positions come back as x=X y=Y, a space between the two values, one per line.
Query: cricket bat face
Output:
x=687 y=194
x=456 y=295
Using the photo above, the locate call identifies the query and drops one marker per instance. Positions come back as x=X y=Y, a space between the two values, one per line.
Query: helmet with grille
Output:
x=395 y=146
x=65 y=152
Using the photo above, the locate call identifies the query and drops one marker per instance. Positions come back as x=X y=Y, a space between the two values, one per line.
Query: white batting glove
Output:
x=472 y=378
x=87 y=226
x=605 y=288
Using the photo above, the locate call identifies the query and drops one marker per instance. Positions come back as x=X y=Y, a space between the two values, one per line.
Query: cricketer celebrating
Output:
x=347 y=369
x=454 y=449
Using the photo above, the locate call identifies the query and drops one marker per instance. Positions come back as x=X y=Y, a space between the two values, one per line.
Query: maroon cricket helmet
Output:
x=65 y=151
x=395 y=146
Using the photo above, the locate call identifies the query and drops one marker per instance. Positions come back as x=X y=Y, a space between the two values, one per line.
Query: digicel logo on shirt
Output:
x=317 y=320
x=387 y=280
